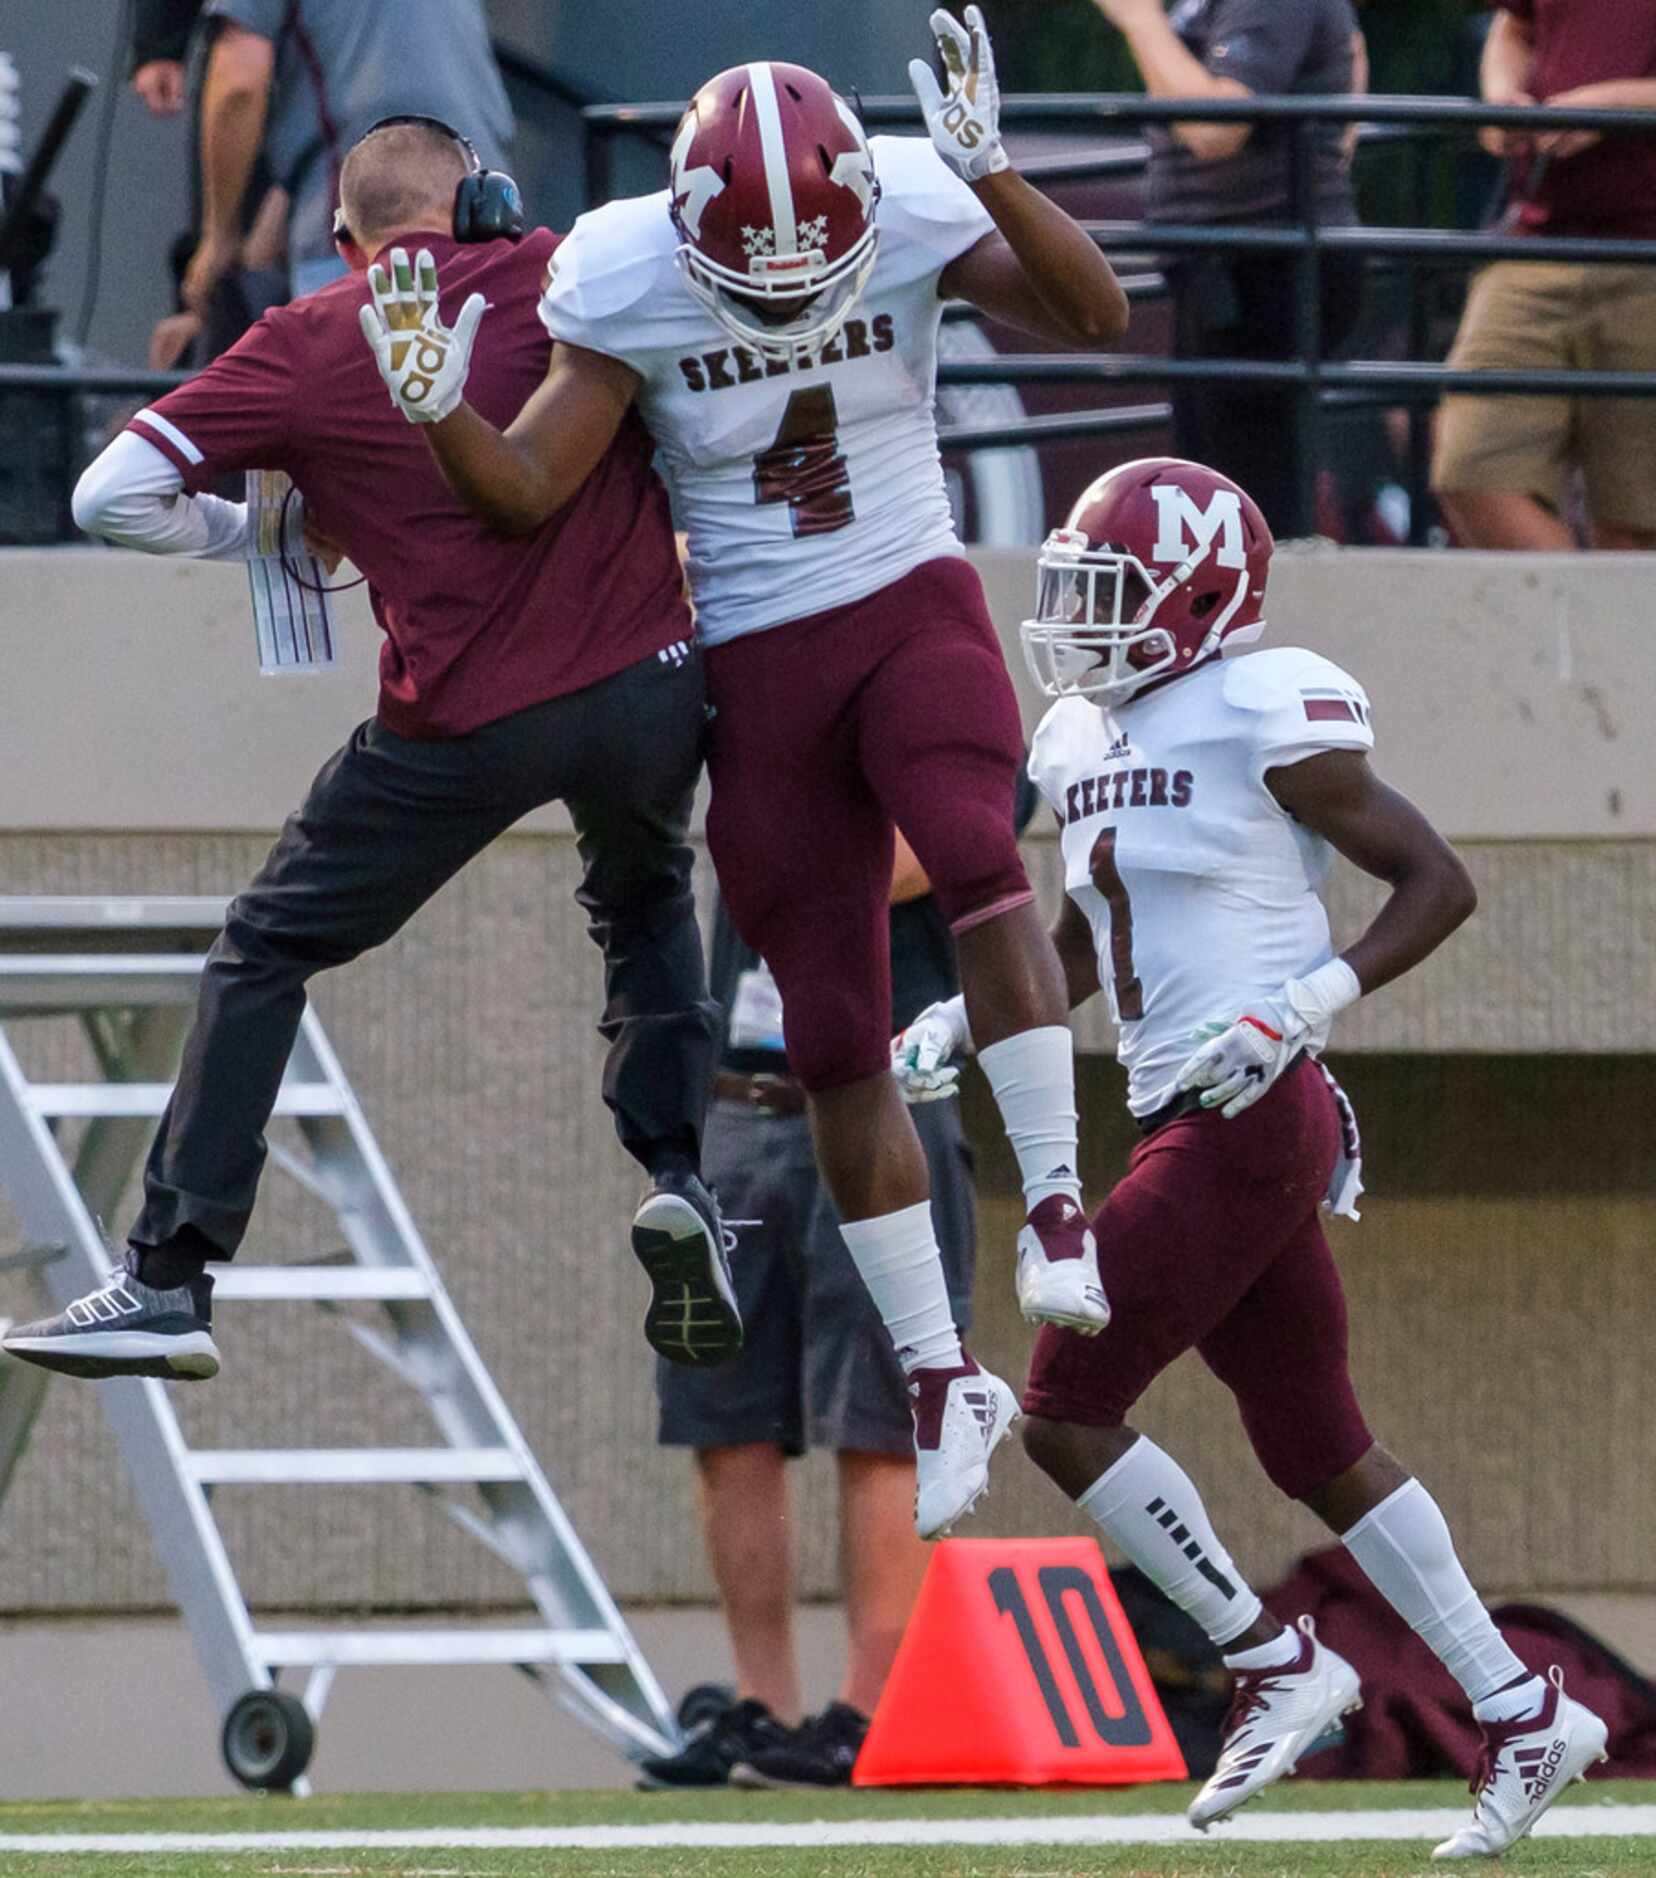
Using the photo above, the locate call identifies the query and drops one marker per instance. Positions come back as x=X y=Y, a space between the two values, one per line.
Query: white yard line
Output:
x=1601 y=1821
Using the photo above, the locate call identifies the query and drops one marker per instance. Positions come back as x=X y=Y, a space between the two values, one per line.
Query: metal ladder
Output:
x=128 y=971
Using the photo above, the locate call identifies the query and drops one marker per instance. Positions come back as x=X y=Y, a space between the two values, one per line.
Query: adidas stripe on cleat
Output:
x=1525 y=1766
x=960 y=1417
x=1058 y=1281
x=1277 y=1717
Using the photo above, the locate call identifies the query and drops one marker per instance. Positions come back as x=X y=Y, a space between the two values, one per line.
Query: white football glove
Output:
x=964 y=125
x=920 y=1055
x=1239 y=1061
x=423 y=362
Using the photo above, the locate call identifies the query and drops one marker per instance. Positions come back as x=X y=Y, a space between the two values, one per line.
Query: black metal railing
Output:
x=1318 y=384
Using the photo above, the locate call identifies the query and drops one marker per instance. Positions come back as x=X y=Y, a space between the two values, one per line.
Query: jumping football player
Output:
x=779 y=337
x=1201 y=799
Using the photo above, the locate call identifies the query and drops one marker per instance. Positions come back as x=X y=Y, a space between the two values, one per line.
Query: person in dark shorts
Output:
x=816 y=1371
x=1241 y=305
x=513 y=673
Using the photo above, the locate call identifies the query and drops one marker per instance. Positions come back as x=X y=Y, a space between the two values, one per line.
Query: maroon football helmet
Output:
x=773 y=193
x=1161 y=565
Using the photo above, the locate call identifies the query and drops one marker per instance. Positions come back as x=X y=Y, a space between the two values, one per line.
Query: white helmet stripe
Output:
x=1216 y=632
x=762 y=83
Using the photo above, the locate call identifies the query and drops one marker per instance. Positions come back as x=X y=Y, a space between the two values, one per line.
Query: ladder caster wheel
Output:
x=268 y=1740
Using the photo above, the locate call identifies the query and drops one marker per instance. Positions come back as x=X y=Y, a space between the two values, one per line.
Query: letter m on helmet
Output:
x=1185 y=529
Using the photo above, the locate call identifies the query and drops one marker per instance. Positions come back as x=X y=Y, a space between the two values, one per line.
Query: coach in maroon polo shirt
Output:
x=514 y=672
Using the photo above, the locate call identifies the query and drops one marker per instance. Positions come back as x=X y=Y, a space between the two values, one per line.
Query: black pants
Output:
x=1242 y=307
x=389 y=821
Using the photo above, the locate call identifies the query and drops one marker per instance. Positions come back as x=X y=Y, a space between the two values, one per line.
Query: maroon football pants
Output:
x=896 y=711
x=1213 y=1241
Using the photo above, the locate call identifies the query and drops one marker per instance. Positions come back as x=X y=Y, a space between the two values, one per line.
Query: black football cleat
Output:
x=735 y=1732
x=820 y=1752
x=126 y=1328
x=679 y=1239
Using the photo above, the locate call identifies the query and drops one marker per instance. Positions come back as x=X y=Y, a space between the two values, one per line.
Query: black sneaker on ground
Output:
x=714 y=1746
x=126 y=1328
x=820 y=1752
x=679 y=1239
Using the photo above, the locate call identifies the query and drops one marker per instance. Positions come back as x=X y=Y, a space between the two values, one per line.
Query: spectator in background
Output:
x=1242 y=305
x=304 y=79
x=1503 y=466
x=161 y=32
x=816 y=1370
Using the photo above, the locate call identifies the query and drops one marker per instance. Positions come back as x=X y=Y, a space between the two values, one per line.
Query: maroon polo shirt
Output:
x=1610 y=188
x=477 y=624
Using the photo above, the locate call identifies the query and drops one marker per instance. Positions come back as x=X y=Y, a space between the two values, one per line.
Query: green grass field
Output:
x=346 y=1816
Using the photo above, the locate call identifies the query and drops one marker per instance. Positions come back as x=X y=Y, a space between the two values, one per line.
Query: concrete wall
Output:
x=1511 y=693
x=1503 y=1262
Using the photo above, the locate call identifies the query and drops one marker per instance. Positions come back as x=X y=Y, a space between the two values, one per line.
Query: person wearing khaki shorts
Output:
x=1553 y=316
x=1503 y=466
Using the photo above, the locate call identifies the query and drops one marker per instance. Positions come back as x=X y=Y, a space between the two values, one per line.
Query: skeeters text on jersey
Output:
x=806 y=485
x=1201 y=890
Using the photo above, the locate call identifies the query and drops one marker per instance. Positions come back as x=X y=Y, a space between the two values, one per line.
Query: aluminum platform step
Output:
x=358 y=1649
x=349 y=1467
x=320 y=1284
x=112 y=1101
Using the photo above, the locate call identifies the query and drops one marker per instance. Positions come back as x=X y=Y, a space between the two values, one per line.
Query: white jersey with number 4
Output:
x=801 y=487
x=1201 y=890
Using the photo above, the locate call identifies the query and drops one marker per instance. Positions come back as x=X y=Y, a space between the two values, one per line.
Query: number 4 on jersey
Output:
x=803 y=466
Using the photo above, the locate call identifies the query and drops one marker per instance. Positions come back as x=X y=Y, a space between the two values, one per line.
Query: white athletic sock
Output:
x=1148 y=1506
x=1282 y=1648
x=1525 y=1699
x=898 y=1260
x=1405 y=1547
x=1033 y=1077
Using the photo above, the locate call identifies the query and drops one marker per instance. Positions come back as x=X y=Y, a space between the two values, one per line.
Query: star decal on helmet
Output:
x=758 y=241
x=814 y=233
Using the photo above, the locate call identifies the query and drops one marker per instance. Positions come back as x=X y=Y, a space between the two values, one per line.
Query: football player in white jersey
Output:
x=1201 y=799
x=773 y=316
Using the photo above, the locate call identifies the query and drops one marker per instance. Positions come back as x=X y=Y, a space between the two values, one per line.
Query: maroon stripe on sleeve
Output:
x=170 y=450
x=1330 y=710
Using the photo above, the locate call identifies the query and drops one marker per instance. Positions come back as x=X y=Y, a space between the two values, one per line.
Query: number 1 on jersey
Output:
x=1106 y=877
x=803 y=466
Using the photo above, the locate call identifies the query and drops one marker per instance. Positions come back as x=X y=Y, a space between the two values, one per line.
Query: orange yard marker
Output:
x=1018 y=1668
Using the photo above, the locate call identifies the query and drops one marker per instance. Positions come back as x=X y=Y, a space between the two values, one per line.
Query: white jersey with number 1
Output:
x=800 y=488
x=1201 y=890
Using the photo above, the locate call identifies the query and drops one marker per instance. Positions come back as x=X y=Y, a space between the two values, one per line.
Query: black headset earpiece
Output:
x=487 y=207
x=487 y=203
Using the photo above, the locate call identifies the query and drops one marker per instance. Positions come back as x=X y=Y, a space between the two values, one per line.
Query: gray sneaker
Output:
x=126 y=1328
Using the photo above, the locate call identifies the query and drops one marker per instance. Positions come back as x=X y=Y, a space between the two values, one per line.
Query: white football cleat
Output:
x=1058 y=1280
x=1526 y=1764
x=960 y=1417
x=1276 y=1716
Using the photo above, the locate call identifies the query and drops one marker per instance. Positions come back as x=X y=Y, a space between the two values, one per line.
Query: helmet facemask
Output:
x=1094 y=634
x=830 y=292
